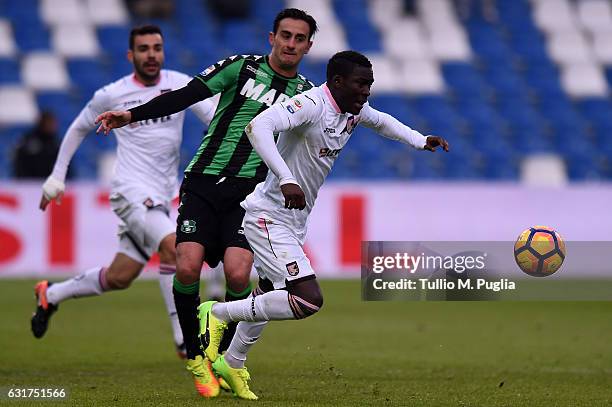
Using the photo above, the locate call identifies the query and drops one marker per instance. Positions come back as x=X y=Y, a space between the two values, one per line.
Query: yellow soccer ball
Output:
x=539 y=251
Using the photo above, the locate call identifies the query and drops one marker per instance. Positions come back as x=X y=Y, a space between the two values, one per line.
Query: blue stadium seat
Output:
x=395 y=105
x=582 y=164
x=464 y=80
x=505 y=81
x=245 y=36
x=488 y=43
x=89 y=75
x=31 y=34
x=9 y=71
x=425 y=167
x=264 y=11
x=64 y=105
x=313 y=71
x=360 y=32
x=461 y=168
x=9 y=138
x=114 y=40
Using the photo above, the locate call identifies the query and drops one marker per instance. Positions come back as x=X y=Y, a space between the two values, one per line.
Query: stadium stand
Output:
x=533 y=83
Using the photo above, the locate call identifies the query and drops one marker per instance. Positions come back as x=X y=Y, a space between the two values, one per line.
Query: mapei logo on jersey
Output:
x=257 y=71
x=351 y=123
x=256 y=92
x=329 y=152
x=188 y=226
x=329 y=130
x=293 y=269
x=165 y=91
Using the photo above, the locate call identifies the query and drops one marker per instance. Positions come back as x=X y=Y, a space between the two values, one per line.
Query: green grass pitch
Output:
x=117 y=350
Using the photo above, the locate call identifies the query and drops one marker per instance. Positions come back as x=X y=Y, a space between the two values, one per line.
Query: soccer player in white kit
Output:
x=143 y=184
x=314 y=128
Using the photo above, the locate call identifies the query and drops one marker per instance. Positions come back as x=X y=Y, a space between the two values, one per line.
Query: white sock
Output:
x=246 y=335
x=270 y=306
x=214 y=286
x=166 y=277
x=89 y=283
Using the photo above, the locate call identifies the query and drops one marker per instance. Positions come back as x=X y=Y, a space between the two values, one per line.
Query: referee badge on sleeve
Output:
x=293 y=269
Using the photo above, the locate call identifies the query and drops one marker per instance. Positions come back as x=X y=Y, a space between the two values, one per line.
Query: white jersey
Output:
x=314 y=133
x=148 y=151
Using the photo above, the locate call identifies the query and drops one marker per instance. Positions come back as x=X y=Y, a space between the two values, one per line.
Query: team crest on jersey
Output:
x=188 y=226
x=297 y=103
x=293 y=269
x=351 y=123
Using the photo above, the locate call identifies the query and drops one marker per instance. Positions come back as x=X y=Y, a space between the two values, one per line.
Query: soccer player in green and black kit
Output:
x=224 y=170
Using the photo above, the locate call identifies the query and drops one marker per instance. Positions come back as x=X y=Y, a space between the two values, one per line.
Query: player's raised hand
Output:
x=112 y=120
x=52 y=189
x=294 y=196
x=435 y=141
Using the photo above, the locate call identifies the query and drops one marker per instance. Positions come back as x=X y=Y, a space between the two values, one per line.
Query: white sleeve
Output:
x=77 y=131
x=389 y=127
x=288 y=115
x=205 y=110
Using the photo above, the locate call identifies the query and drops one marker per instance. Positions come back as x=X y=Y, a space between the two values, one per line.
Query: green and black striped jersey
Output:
x=248 y=86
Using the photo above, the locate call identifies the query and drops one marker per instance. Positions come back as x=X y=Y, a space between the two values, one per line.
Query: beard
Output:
x=144 y=74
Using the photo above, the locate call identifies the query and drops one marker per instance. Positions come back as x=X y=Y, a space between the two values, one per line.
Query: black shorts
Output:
x=210 y=213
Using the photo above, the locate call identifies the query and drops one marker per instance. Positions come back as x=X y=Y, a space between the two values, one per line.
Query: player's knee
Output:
x=187 y=272
x=167 y=255
x=305 y=298
x=167 y=250
x=188 y=265
x=237 y=266
x=238 y=282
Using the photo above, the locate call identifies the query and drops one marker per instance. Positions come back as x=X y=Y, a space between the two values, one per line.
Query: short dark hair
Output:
x=343 y=63
x=296 y=14
x=142 y=30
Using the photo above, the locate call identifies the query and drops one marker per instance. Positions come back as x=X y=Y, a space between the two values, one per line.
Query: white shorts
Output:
x=278 y=256
x=142 y=227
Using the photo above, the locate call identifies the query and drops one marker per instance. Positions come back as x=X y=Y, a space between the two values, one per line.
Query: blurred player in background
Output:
x=225 y=168
x=315 y=126
x=143 y=184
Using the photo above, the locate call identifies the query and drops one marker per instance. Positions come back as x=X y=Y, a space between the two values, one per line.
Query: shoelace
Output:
x=221 y=326
x=244 y=375
x=201 y=370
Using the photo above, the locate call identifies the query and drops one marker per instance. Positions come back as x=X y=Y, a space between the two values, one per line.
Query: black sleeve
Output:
x=171 y=102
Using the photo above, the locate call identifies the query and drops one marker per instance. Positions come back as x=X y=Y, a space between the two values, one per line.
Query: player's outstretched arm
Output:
x=435 y=141
x=163 y=105
x=389 y=127
x=53 y=188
